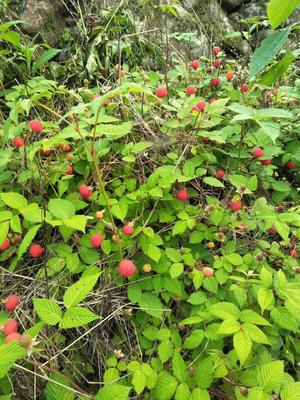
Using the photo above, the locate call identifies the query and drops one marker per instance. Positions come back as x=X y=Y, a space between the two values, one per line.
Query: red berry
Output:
x=201 y=105
x=122 y=73
x=258 y=152
x=190 y=90
x=215 y=82
x=208 y=271
x=36 y=250
x=272 y=230
x=220 y=174
x=244 y=88
x=216 y=50
x=212 y=100
x=12 y=302
x=36 y=126
x=205 y=139
x=127 y=268
x=5 y=245
x=182 y=195
x=209 y=70
x=106 y=103
x=70 y=170
x=46 y=153
x=217 y=63
x=95 y=96
x=229 y=76
x=85 y=192
x=66 y=147
x=266 y=162
x=18 y=142
x=236 y=205
x=195 y=64
x=12 y=337
x=10 y=326
x=290 y=165
x=294 y=253
x=128 y=230
x=96 y=240
x=243 y=227
x=161 y=92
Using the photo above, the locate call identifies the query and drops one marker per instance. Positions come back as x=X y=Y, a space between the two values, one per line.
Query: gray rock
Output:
x=230 y=5
x=252 y=9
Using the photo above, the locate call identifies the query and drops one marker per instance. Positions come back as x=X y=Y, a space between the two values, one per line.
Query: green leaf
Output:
x=179 y=368
x=48 y=311
x=235 y=259
x=58 y=392
x=14 y=200
x=265 y=298
x=225 y=310
x=26 y=242
x=165 y=350
x=251 y=316
x=290 y=391
x=77 y=222
x=270 y=128
x=258 y=393
x=165 y=387
x=270 y=375
x=255 y=334
x=268 y=48
x=61 y=209
x=194 y=340
x=9 y=354
x=200 y=394
x=120 y=210
x=77 y=292
x=228 y=327
x=154 y=252
x=242 y=345
x=213 y=182
x=176 y=270
x=266 y=277
x=113 y=391
x=277 y=70
x=139 y=381
x=197 y=298
x=284 y=319
x=278 y=11
x=77 y=316
x=46 y=56
x=4 y=228
x=182 y=392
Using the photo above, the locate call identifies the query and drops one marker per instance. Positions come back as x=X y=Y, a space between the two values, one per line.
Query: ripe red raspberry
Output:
x=290 y=165
x=5 y=245
x=201 y=105
x=36 y=250
x=220 y=174
x=122 y=73
x=229 y=76
x=85 y=192
x=70 y=170
x=96 y=240
x=294 y=253
x=236 y=205
x=195 y=64
x=161 y=92
x=128 y=230
x=11 y=303
x=266 y=162
x=258 y=152
x=209 y=70
x=127 y=268
x=208 y=271
x=190 y=90
x=36 y=126
x=18 y=142
x=46 y=153
x=244 y=88
x=10 y=326
x=215 y=82
x=216 y=50
x=217 y=63
x=182 y=195
x=12 y=337
x=66 y=147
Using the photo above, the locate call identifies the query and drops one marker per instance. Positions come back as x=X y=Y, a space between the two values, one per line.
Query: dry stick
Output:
x=53 y=381
x=87 y=332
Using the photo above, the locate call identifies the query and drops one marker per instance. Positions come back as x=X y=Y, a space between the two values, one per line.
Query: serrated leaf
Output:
x=9 y=354
x=165 y=350
x=225 y=310
x=182 y=392
x=4 y=228
x=113 y=391
x=61 y=209
x=255 y=334
x=252 y=316
x=154 y=252
x=58 y=392
x=213 y=182
x=242 y=345
x=77 y=316
x=278 y=11
x=270 y=375
x=139 y=381
x=266 y=277
x=77 y=292
x=14 y=200
x=27 y=240
x=77 y=222
x=48 y=311
x=290 y=391
x=165 y=387
x=179 y=367
x=284 y=319
x=228 y=327
x=235 y=259
x=194 y=339
x=265 y=298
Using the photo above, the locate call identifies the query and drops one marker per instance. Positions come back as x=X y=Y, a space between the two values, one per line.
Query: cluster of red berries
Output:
x=11 y=327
